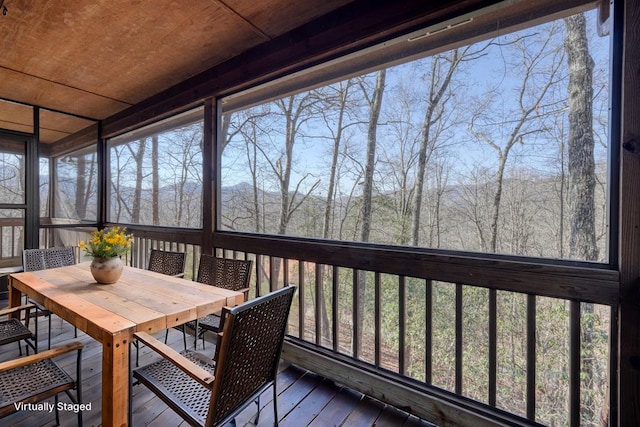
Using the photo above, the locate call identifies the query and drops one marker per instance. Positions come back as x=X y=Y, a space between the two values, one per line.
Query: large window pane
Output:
x=156 y=174
x=44 y=186
x=12 y=174
x=477 y=148
x=76 y=183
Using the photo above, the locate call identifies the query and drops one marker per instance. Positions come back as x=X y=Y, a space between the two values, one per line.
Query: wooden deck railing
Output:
x=441 y=320
x=475 y=340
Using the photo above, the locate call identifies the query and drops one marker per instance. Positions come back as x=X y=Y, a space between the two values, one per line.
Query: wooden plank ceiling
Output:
x=94 y=58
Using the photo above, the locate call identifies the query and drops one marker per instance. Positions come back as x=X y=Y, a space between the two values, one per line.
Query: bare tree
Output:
x=581 y=164
x=442 y=70
x=296 y=110
x=138 y=156
x=540 y=63
x=338 y=101
x=374 y=101
x=155 y=182
x=582 y=178
x=375 y=105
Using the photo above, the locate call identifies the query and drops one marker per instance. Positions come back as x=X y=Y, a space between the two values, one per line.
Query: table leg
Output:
x=115 y=379
x=15 y=297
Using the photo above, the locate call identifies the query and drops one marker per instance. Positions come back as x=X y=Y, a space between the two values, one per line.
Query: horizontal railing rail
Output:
x=585 y=282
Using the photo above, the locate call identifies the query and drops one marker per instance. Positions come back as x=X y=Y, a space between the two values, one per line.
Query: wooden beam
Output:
x=629 y=309
x=210 y=176
x=82 y=139
x=170 y=234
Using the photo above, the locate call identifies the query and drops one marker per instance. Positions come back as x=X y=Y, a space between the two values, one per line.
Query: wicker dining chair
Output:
x=12 y=329
x=42 y=259
x=34 y=378
x=167 y=262
x=170 y=263
x=227 y=273
x=207 y=392
x=232 y=274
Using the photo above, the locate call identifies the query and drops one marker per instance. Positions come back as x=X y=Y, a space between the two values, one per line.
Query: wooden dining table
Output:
x=140 y=300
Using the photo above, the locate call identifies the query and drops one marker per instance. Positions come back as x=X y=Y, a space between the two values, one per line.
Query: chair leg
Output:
x=57 y=412
x=258 y=413
x=79 y=384
x=184 y=336
x=195 y=337
x=275 y=404
x=49 y=335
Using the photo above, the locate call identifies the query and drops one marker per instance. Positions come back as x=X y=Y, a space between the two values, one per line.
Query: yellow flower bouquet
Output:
x=108 y=243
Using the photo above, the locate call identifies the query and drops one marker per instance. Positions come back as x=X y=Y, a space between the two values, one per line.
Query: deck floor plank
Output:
x=338 y=409
x=364 y=414
x=310 y=406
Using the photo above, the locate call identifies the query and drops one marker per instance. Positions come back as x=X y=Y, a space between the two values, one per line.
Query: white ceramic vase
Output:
x=107 y=270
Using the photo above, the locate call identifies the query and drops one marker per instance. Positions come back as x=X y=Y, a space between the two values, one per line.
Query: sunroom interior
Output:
x=463 y=232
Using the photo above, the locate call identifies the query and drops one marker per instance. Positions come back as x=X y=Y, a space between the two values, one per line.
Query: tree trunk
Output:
x=436 y=94
x=581 y=163
x=375 y=105
x=137 y=197
x=155 y=190
x=328 y=208
x=367 y=189
x=582 y=179
x=81 y=181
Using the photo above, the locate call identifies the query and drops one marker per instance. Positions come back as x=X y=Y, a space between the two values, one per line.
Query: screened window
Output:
x=12 y=175
x=478 y=148
x=156 y=173
x=75 y=189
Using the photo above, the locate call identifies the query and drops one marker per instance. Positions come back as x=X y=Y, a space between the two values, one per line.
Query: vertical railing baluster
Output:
x=574 y=364
x=377 y=319
x=285 y=272
x=459 y=342
x=258 y=275
x=531 y=357
x=428 y=332
x=301 y=302
x=195 y=261
x=319 y=298
x=493 y=345
x=272 y=274
x=402 y=323
x=613 y=367
x=354 y=308
x=335 y=326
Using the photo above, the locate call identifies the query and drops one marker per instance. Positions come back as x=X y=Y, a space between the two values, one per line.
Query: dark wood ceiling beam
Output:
x=358 y=25
x=81 y=139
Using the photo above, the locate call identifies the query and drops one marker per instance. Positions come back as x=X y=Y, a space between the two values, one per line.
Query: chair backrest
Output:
x=33 y=259
x=59 y=257
x=233 y=274
x=167 y=262
x=41 y=259
x=248 y=352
